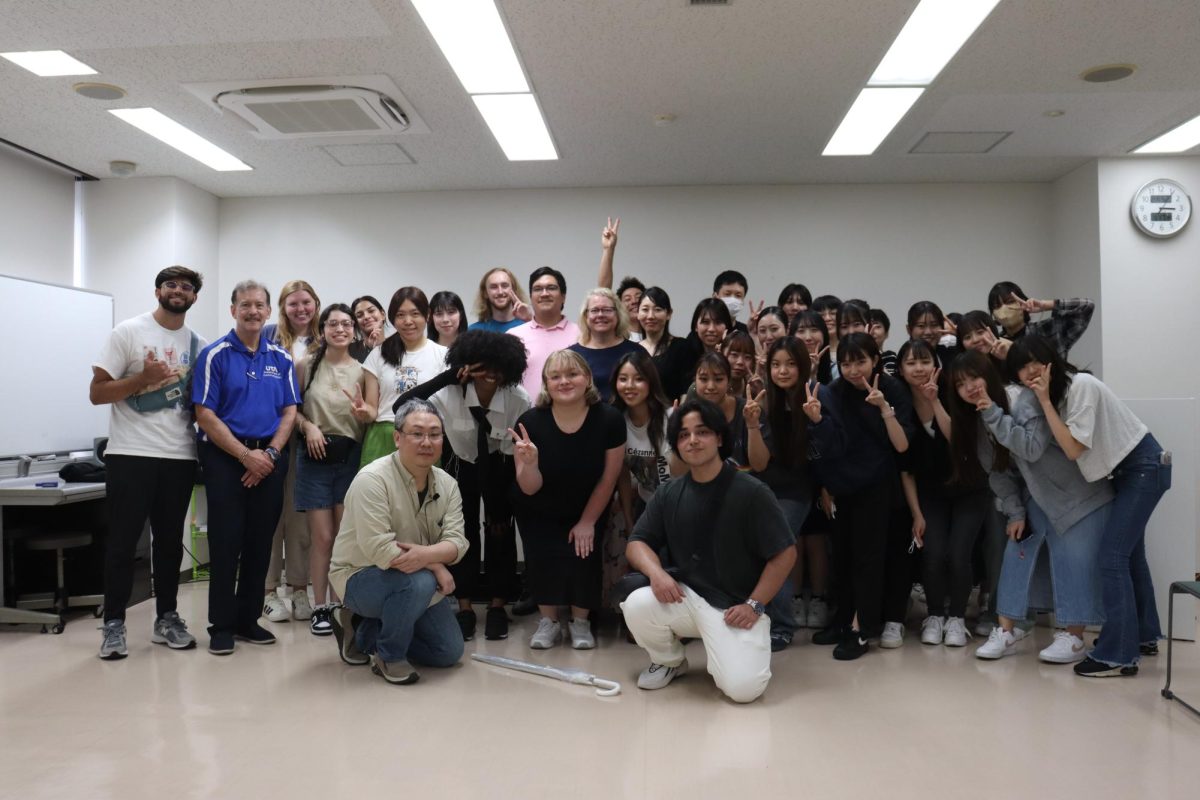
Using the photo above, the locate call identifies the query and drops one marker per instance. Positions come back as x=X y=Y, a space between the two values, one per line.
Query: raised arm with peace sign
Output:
x=752 y=411
x=812 y=403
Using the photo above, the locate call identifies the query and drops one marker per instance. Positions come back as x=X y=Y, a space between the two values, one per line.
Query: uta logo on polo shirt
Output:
x=271 y=371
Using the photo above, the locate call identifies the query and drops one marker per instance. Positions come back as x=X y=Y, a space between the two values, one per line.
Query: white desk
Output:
x=25 y=492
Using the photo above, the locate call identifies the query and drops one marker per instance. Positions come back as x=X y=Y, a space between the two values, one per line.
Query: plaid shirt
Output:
x=1066 y=324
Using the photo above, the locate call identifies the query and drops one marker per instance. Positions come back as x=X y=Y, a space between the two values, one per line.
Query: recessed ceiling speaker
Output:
x=1108 y=73
x=99 y=91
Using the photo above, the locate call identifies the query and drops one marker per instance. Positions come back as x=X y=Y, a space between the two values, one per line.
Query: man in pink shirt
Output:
x=549 y=330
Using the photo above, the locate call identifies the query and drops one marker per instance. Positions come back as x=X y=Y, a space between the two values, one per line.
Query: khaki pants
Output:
x=291 y=534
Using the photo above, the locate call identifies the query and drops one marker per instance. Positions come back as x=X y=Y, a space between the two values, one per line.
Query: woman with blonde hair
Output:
x=297 y=332
x=603 y=337
x=569 y=451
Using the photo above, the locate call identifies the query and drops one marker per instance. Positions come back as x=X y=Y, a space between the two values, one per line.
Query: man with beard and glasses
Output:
x=142 y=373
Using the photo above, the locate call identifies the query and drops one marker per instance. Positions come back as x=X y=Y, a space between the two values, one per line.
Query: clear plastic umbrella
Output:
x=604 y=688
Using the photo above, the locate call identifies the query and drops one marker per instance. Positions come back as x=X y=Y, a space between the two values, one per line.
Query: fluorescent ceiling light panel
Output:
x=1176 y=140
x=473 y=39
x=933 y=34
x=167 y=130
x=49 y=63
x=516 y=122
x=870 y=120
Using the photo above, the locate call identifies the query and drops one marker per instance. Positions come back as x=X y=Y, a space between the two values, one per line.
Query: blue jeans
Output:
x=1130 y=614
x=1072 y=569
x=398 y=622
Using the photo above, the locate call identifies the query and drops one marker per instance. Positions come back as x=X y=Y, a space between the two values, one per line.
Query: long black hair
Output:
x=660 y=298
x=656 y=400
x=811 y=319
x=1032 y=347
x=319 y=353
x=789 y=426
x=445 y=301
x=714 y=309
x=965 y=425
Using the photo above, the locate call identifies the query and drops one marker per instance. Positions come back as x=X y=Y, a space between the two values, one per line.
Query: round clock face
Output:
x=1161 y=208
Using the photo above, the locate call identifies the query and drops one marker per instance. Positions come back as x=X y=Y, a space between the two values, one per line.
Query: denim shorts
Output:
x=1071 y=584
x=321 y=485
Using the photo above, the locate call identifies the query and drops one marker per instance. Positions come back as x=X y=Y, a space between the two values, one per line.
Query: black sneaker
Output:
x=220 y=644
x=466 y=623
x=524 y=607
x=780 y=641
x=495 y=625
x=321 y=621
x=830 y=635
x=1091 y=668
x=345 y=623
x=255 y=634
x=852 y=646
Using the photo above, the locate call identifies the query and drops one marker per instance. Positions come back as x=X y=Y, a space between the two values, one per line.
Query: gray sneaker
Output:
x=547 y=635
x=397 y=672
x=343 y=631
x=113 y=645
x=170 y=629
x=581 y=634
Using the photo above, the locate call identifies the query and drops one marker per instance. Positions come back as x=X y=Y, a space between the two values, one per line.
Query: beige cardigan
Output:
x=382 y=509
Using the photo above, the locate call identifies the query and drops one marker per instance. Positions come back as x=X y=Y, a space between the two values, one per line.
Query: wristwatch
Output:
x=272 y=454
x=758 y=607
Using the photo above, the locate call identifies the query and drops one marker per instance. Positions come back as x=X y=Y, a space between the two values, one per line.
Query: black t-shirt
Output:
x=720 y=534
x=571 y=463
x=676 y=365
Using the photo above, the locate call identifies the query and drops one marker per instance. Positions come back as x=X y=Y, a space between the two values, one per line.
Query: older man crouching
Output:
x=402 y=525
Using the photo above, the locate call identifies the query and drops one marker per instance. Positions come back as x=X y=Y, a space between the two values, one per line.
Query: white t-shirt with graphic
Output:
x=650 y=468
x=167 y=433
x=415 y=368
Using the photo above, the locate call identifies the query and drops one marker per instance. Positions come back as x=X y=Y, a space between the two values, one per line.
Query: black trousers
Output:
x=499 y=527
x=241 y=523
x=952 y=526
x=861 y=527
x=140 y=488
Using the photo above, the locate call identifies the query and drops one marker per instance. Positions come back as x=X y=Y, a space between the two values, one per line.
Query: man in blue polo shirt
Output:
x=245 y=396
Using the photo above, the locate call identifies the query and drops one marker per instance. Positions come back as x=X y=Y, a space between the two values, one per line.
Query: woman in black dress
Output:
x=569 y=450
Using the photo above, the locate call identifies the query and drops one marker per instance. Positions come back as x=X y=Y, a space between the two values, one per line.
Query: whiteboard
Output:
x=1172 y=534
x=52 y=336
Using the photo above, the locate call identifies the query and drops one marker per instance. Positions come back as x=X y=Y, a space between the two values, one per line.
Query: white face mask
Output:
x=734 y=304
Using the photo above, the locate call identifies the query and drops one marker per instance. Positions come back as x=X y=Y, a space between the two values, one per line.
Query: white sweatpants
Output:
x=739 y=660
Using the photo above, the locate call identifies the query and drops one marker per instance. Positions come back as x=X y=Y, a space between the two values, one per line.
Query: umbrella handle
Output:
x=606 y=688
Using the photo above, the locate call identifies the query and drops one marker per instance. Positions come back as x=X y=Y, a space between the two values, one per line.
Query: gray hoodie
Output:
x=1053 y=480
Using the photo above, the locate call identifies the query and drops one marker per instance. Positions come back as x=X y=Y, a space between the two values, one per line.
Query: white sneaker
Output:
x=656 y=676
x=274 y=609
x=800 y=611
x=818 y=613
x=955 y=634
x=893 y=635
x=1067 y=648
x=301 y=606
x=581 y=634
x=931 y=630
x=547 y=635
x=1000 y=643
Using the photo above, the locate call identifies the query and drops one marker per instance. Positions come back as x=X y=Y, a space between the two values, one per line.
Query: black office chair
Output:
x=60 y=601
x=1178 y=587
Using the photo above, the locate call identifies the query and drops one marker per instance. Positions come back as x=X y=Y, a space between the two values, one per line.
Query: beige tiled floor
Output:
x=292 y=721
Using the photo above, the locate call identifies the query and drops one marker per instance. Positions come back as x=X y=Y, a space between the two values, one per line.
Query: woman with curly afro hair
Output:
x=480 y=397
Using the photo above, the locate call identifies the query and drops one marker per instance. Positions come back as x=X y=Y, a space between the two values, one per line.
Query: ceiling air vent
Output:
x=708 y=2
x=324 y=109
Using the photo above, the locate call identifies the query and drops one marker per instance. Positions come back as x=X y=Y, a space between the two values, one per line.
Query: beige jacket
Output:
x=382 y=509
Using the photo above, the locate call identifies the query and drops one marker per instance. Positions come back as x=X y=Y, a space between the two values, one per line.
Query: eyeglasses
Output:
x=187 y=287
x=602 y=311
x=339 y=323
x=416 y=437
x=546 y=288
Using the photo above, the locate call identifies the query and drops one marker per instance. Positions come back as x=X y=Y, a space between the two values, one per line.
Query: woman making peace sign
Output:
x=800 y=428
x=569 y=450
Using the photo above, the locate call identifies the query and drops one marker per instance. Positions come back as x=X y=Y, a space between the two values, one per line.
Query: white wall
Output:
x=37 y=219
x=1075 y=262
x=133 y=228
x=891 y=245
